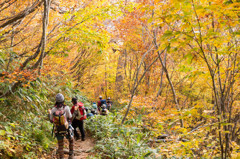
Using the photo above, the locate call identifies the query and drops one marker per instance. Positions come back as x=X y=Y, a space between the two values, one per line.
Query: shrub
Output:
x=118 y=141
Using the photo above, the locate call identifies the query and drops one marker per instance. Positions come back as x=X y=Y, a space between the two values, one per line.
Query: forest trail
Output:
x=81 y=148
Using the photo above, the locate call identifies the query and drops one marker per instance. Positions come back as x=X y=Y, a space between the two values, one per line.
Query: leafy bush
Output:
x=21 y=136
x=118 y=141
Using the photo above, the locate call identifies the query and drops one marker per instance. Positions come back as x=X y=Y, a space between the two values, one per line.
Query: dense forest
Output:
x=171 y=68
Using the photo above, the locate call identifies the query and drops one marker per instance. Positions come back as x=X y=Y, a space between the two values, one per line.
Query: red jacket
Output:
x=99 y=103
x=81 y=110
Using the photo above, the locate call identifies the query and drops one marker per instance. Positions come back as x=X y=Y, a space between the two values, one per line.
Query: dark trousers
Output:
x=78 y=123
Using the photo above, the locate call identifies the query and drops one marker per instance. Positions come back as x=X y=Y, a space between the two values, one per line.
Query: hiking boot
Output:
x=77 y=138
x=71 y=156
x=83 y=139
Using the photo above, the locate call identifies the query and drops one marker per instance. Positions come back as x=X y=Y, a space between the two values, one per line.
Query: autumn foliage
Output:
x=172 y=65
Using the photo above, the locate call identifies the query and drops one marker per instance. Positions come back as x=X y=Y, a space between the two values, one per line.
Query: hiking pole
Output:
x=52 y=130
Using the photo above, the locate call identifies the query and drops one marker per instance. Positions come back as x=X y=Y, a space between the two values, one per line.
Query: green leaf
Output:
x=29 y=99
x=8 y=129
x=167 y=34
x=19 y=94
x=12 y=124
x=2 y=132
x=148 y=154
x=236 y=33
x=39 y=80
x=2 y=61
x=32 y=84
x=10 y=89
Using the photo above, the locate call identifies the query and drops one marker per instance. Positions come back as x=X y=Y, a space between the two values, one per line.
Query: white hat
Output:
x=100 y=97
x=59 y=97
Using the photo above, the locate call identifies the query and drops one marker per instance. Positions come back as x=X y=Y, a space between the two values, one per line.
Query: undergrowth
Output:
x=25 y=130
x=119 y=141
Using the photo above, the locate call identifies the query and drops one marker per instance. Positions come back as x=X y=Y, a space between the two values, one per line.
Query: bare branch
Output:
x=22 y=14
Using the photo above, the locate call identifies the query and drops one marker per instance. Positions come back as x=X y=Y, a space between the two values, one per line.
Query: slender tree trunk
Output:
x=11 y=49
x=106 y=84
x=161 y=81
x=130 y=74
x=135 y=88
x=168 y=77
x=137 y=82
x=120 y=74
x=166 y=72
x=45 y=25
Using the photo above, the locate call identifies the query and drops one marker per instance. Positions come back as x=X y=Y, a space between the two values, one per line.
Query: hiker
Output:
x=79 y=115
x=89 y=114
x=100 y=103
x=94 y=105
x=109 y=103
x=94 y=109
x=104 y=110
x=61 y=117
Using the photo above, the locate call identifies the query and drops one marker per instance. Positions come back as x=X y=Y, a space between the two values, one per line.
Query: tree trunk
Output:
x=161 y=81
x=45 y=25
x=120 y=74
x=167 y=75
x=137 y=82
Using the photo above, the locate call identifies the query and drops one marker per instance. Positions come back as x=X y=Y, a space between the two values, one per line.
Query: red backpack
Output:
x=82 y=114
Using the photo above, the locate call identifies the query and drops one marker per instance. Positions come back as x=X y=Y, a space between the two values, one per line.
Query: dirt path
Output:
x=81 y=148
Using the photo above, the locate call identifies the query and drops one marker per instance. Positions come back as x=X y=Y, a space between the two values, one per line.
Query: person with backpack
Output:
x=104 y=110
x=94 y=105
x=89 y=113
x=61 y=117
x=109 y=103
x=101 y=102
x=79 y=115
x=94 y=109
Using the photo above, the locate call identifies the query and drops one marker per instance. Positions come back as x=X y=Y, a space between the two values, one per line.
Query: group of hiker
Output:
x=66 y=120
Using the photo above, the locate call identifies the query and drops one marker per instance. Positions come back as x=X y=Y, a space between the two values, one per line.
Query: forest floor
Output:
x=82 y=149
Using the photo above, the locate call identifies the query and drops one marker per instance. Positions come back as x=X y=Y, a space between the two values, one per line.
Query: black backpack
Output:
x=103 y=101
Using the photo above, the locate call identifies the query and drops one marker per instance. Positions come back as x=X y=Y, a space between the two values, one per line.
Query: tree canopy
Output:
x=171 y=67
